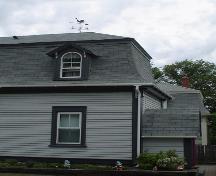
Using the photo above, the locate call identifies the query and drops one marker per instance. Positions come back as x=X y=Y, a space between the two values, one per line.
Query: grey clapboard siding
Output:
x=150 y=103
x=163 y=144
x=25 y=125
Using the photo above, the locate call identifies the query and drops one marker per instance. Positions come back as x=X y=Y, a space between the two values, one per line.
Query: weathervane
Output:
x=81 y=25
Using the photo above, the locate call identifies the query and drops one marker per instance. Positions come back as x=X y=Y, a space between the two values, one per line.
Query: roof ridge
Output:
x=180 y=88
x=77 y=33
x=59 y=37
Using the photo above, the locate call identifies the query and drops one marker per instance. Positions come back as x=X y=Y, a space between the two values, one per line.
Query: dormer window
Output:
x=71 y=65
x=71 y=62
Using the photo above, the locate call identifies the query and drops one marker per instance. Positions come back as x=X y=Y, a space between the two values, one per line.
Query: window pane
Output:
x=75 y=55
x=67 y=73
x=76 y=73
x=66 y=65
x=67 y=58
x=74 y=120
x=70 y=72
x=77 y=59
x=64 y=120
x=69 y=136
x=76 y=64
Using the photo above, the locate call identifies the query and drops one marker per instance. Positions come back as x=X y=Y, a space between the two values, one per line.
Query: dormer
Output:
x=72 y=62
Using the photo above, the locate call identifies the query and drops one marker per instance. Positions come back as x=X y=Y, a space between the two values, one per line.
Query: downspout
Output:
x=138 y=94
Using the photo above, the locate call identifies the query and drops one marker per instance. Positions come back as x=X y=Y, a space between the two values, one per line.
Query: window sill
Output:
x=68 y=79
x=68 y=145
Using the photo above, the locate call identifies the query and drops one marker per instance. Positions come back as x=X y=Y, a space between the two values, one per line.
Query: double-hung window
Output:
x=68 y=126
x=71 y=62
x=71 y=65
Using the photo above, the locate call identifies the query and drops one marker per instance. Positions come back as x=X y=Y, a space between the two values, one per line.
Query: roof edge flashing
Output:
x=157 y=89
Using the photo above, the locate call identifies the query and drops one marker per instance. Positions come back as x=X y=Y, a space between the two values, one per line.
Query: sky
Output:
x=169 y=30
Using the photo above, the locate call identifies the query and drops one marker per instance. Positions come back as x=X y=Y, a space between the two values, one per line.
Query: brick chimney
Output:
x=185 y=81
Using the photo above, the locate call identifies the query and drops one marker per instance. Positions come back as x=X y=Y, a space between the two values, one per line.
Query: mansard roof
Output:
x=120 y=60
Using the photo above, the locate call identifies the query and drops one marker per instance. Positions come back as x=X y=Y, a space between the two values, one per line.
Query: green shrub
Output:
x=20 y=165
x=11 y=162
x=170 y=163
x=55 y=165
x=161 y=155
x=171 y=153
x=147 y=160
x=91 y=167
x=38 y=165
x=4 y=165
x=29 y=164
x=168 y=160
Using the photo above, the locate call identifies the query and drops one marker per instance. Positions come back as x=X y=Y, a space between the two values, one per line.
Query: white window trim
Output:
x=58 y=124
x=61 y=67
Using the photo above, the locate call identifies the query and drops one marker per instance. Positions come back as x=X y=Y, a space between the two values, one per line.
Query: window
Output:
x=71 y=65
x=68 y=126
x=71 y=62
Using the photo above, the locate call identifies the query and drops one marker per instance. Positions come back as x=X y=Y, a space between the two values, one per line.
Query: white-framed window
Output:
x=71 y=65
x=69 y=128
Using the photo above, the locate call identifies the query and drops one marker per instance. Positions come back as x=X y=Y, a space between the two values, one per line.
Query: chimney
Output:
x=185 y=81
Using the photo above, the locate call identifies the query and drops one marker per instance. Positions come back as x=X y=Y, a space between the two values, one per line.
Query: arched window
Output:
x=71 y=65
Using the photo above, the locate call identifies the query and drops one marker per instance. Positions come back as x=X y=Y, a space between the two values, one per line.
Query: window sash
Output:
x=69 y=128
x=71 y=65
x=71 y=71
x=71 y=68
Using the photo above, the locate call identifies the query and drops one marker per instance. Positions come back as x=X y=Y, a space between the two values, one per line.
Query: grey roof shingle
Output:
x=58 y=38
x=167 y=87
x=184 y=98
x=187 y=101
x=170 y=122
x=29 y=64
x=182 y=116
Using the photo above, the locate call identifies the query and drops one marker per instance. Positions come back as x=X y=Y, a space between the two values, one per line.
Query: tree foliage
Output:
x=202 y=76
x=157 y=73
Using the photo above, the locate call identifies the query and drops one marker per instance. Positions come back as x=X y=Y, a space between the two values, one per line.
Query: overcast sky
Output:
x=169 y=30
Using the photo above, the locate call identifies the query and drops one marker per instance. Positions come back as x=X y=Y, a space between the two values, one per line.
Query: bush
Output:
x=163 y=160
x=11 y=162
x=29 y=164
x=147 y=160
x=55 y=165
x=171 y=153
x=170 y=163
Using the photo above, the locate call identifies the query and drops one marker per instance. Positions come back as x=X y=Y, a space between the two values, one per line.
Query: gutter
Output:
x=138 y=94
x=157 y=89
x=141 y=86
x=76 y=85
x=168 y=136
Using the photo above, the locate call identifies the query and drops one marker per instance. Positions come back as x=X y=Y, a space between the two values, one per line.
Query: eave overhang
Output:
x=149 y=87
x=69 y=45
x=154 y=90
x=64 y=88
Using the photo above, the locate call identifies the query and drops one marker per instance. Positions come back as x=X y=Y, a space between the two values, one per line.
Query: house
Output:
x=87 y=97
x=180 y=126
x=188 y=99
